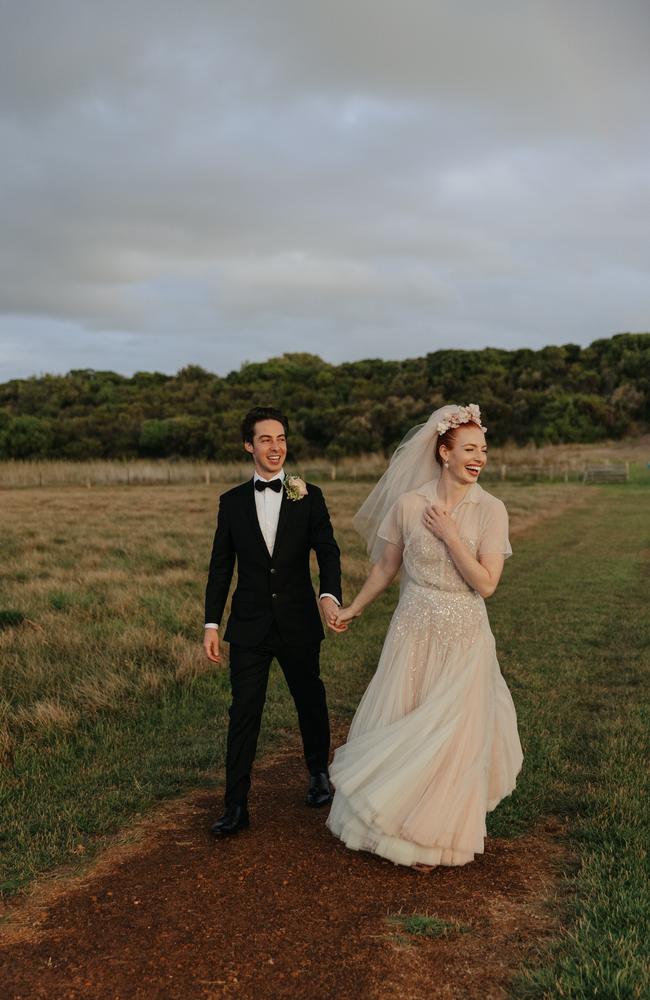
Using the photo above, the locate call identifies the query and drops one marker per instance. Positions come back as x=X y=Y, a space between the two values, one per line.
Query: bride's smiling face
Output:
x=467 y=455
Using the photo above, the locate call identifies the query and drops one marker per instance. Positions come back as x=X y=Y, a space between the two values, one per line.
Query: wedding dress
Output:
x=433 y=745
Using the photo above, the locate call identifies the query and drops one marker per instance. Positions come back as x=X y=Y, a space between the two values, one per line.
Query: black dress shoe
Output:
x=233 y=820
x=319 y=792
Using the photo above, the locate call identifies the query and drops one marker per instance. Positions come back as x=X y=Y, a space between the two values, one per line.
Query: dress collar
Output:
x=473 y=495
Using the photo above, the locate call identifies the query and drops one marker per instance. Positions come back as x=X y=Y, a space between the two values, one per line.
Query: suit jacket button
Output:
x=272 y=569
x=274 y=595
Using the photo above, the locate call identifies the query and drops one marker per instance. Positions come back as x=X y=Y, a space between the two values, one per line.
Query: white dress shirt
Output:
x=267 y=504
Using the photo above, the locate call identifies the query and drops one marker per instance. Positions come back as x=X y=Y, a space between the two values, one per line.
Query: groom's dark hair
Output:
x=261 y=413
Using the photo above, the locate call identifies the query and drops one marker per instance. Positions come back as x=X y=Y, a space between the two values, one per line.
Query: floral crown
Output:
x=469 y=414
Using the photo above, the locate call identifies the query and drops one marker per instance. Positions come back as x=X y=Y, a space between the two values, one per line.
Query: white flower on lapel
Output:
x=295 y=487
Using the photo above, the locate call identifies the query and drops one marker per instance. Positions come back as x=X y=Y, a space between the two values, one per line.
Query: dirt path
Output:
x=282 y=910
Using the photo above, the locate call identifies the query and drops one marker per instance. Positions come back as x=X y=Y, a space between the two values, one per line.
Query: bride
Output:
x=433 y=745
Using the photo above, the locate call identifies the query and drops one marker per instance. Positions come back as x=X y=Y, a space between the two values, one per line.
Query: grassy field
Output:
x=574 y=635
x=108 y=704
x=512 y=462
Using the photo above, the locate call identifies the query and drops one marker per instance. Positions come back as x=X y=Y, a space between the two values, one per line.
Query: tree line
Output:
x=556 y=394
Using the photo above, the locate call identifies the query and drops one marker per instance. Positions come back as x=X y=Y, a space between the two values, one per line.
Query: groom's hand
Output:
x=211 y=645
x=330 y=610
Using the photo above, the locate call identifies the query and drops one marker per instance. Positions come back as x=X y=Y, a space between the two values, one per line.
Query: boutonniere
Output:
x=295 y=487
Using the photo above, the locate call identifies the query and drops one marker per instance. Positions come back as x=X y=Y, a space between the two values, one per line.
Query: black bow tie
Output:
x=273 y=484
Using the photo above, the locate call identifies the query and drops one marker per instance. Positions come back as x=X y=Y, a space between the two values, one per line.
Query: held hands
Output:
x=439 y=523
x=211 y=645
x=344 y=616
x=330 y=613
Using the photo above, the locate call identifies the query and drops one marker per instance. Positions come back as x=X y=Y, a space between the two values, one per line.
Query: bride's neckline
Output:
x=452 y=510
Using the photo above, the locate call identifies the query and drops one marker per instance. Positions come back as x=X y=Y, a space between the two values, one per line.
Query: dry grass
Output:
x=109 y=582
x=574 y=456
x=46 y=714
x=117 y=473
x=100 y=694
x=564 y=457
x=191 y=661
x=6 y=746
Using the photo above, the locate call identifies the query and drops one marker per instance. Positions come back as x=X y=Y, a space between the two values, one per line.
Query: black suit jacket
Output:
x=275 y=588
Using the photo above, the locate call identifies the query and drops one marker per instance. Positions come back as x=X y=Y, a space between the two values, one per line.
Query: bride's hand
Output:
x=345 y=615
x=439 y=523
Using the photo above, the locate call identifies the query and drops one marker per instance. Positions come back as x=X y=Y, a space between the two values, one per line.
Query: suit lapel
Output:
x=251 y=513
x=282 y=520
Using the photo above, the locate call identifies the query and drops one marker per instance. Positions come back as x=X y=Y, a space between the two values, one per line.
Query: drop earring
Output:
x=446 y=465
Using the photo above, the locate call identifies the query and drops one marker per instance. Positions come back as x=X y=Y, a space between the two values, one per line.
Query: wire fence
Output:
x=17 y=474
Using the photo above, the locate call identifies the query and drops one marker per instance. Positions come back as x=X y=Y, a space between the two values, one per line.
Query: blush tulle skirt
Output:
x=434 y=744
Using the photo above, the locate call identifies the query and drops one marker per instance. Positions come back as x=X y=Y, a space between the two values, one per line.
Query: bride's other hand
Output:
x=439 y=523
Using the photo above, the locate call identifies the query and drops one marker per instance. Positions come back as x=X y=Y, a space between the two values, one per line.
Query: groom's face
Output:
x=269 y=447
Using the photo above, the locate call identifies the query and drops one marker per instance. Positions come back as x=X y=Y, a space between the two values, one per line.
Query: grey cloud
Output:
x=215 y=182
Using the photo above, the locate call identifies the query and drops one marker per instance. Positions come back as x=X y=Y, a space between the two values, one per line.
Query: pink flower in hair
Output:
x=469 y=414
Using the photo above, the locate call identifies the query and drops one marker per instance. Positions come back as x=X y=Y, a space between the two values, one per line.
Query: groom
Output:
x=269 y=525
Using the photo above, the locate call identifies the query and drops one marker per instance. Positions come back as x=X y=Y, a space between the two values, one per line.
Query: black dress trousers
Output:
x=249 y=674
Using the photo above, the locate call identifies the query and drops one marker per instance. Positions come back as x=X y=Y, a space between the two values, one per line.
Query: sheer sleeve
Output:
x=494 y=530
x=391 y=528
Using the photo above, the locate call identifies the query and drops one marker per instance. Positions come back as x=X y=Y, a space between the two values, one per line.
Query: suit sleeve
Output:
x=222 y=564
x=324 y=545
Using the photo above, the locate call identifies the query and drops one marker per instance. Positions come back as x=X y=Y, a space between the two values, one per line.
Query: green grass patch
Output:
x=574 y=646
x=11 y=618
x=424 y=925
x=69 y=790
x=61 y=600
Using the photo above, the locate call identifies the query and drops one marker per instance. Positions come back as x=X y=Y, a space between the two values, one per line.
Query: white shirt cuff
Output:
x=211 y=625
x=335 y=599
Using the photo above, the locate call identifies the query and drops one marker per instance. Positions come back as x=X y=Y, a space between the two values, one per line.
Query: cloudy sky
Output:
x=213 y=182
